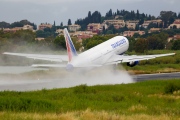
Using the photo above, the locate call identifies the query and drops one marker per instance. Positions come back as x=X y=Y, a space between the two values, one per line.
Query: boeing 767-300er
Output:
x=106 y=53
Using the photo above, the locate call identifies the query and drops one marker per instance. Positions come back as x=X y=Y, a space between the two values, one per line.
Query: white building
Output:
x=74 y=27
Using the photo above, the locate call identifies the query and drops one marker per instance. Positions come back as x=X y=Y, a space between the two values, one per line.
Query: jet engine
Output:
x=133 y=63
x=69 y=67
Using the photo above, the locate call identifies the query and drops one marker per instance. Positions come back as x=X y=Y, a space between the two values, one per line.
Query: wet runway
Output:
x=162 y=76
x=12 y=80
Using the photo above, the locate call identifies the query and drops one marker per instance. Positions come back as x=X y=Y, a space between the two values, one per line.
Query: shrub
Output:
x=171 y=87
x=84 y=89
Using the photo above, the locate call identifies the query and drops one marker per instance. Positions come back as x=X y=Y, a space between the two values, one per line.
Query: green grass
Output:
x=157 y=65
x=150 y=69
x=149 y=98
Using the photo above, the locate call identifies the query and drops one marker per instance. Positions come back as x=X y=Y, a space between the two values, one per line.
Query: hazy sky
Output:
x=41 y=11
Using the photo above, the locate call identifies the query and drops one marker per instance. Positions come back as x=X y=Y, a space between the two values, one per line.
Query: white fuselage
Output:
x=101 y=53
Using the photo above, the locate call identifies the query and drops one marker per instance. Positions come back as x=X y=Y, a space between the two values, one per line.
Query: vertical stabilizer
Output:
x=71 y=51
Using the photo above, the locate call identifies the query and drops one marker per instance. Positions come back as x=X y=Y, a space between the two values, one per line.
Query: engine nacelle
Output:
x=132 y=64
x=69 y=67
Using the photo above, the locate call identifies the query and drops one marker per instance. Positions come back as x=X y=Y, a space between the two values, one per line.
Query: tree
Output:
x=59 y=42
x=54 y=23
x=165 y=17
x=131 y=44
x=109 y=14
x=141 y=45
x=22 y=37
x=178 y=16
x=141 y=21
x=89 y=17
x=89 y=14
x=93 y=43
x=152 y=43
x=152 y=25
x=69 y=22
x=136 y=35
x=137 y=14
x=4 y=25
x=171 y=20
x=61 y=24
x=96 y=17
x=77 y=44
x=22 y=23
x=176 y=45
x=137 y=27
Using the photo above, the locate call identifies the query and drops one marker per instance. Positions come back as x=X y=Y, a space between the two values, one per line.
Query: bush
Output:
x=171 y=87
x=83 y=89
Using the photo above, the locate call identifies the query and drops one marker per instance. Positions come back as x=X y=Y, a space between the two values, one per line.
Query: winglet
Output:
x=71 y=51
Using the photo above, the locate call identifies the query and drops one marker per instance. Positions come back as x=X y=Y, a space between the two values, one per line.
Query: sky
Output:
x=48 y=11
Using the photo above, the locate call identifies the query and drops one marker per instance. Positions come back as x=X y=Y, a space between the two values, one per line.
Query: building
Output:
x=132 y=21
x=27 y=27
x=118 y=17
x=116 y=23
x=59 y=31
x=131 y=26
x=172 y=26
x=103 y=25
x=39 y=39
x=146 y=23
x=81 y=35
x=177 y=21
x=175 y=37
x=131 y=33
x=42 y=26
x=94 y=27
x=154 y=30
x=158 y=21
x=12 y=29
x=84 y=33
x=74 y=27
x=176 y=24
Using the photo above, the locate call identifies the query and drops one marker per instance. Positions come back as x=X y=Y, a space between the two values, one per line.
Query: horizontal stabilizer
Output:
x=49 y=65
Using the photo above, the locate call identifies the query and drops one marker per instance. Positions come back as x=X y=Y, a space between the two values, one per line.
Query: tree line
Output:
x=167 y=18
x=148 y=41
x=17 y=24
x=142 y=44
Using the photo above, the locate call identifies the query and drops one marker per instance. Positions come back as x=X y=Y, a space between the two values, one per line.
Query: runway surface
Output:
x=163 y=76
x=12 y=81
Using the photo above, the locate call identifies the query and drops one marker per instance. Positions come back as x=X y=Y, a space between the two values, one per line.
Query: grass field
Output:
x=158 y=65
x=157 y=99
x=150 y=69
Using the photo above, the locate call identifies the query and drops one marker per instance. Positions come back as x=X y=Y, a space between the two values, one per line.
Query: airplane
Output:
x=110 y=52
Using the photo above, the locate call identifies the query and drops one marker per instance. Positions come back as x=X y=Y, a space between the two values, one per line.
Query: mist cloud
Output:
x=60 y=78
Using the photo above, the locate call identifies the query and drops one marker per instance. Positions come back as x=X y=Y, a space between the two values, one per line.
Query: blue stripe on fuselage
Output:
x=118 y=43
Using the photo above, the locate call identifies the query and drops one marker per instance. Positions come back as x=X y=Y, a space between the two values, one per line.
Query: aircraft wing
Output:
x=54 y=58
x=123 y=58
